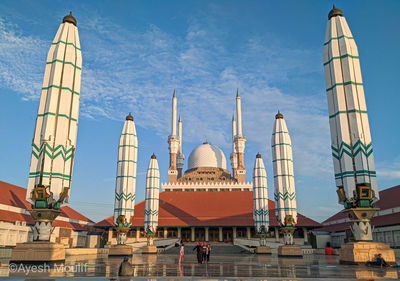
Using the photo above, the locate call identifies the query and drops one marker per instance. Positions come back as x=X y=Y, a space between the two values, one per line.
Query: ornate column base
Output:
x=43 y=223
x=363 y=249
x=41 y=250
x=121 y=249
x=362 y=252
x=289 y=249
x=263 y=248
x=122 y=232
x=150 y=248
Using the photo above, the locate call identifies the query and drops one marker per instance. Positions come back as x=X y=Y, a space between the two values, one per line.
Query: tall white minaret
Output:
x=282 y=160
x=174 y=113
x=353 y=159
x=152 y=199
x=180 y=156
x=125 y=187
x=173 y=141
x=54 y=139
x=260 y=194
x=240 y=141
x=234 y=156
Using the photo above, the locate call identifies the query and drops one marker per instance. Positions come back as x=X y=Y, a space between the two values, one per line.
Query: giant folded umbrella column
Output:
x=54 y=139
x=260 y=205
x=351 y=143
x=285 y=193
x=151 y=205
x=125 y=187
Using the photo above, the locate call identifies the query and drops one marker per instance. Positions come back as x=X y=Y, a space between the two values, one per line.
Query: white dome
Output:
x=207 y=155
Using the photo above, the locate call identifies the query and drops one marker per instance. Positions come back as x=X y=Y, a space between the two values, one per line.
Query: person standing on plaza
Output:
x=199 y=250
x=204 y=252
x=181 y=253
x=208 y=252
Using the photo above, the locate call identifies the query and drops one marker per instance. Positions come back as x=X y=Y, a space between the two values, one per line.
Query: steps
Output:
x=216 y=249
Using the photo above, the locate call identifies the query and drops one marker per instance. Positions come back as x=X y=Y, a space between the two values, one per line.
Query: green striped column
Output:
x=152 y=196
x=125 y=187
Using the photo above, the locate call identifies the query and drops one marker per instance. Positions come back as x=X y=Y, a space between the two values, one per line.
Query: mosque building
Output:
x=206 y=202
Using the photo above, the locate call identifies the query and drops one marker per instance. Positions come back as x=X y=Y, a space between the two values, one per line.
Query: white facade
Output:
x=206 y=186
x=19 y=232
x=13 y=233
x=125 y=188
x=353 y=158
x=282 y=161
x=56 y=127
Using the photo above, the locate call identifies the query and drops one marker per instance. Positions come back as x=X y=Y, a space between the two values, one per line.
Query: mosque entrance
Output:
x=200 y=234
x=213 y=234
x=227 y=235
x=241 y=232
x=186 y=234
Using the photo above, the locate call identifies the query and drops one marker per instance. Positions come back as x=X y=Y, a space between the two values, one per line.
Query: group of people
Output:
x=203 y=252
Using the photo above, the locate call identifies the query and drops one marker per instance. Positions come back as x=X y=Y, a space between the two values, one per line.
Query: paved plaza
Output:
x=236 y=266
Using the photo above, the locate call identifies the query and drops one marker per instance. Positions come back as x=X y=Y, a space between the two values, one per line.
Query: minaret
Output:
x=353 y=159
x=54 y=139
x=240 y=141
x=125 y=187
x=234 y=156
x=180 y=156
x=173 y=142
x=282 y=160
x=152 y=199
x=260 y=194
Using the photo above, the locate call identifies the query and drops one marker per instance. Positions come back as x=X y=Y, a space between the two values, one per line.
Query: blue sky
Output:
x=136 y=52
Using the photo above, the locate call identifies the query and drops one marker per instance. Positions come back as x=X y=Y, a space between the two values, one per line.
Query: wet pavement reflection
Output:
x=243 y=266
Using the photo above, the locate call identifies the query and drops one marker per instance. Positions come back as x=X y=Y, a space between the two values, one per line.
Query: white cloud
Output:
x=388 y=170
x=126 y=71
x=22 y=61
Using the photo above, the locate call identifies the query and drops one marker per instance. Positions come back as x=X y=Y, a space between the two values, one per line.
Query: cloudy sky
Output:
x=136 y=52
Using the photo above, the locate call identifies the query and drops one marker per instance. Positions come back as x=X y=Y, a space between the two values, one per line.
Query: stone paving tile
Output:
x=228 y=267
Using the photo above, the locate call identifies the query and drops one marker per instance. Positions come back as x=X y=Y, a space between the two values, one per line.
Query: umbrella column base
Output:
x=40 y=251
x=263 y=250
x=120 y=250
x=363 y=252
x=149 y=250
x=290 y=251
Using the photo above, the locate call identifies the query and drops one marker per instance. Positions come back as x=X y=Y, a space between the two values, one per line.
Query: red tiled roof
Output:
x=108 y=222
x=389 y=198
x=70 y=213
x=72 y=225
x=335 y=227
x=206 y=208
x=10 y=216
x=13 y=195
